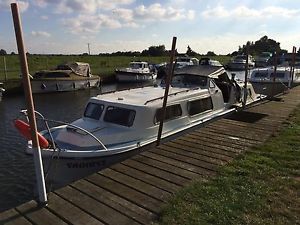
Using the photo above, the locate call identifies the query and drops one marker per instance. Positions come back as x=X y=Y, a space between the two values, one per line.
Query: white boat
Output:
x=266 y=82
x=239 y=62
x=66 y=77
x=183 y=61
x=137 y=71
x=2 y=90
x=123 y=121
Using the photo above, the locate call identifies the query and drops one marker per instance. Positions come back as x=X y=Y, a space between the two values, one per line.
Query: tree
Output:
x=12 y=53
x=159 y=50
x=3 y=52
x=190 y=52
x=210 y=53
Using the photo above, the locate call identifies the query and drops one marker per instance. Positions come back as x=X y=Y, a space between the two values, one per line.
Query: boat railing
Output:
x=41 y=117
x=172 y=94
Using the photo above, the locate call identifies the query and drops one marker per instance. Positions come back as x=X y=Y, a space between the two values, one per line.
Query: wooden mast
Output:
x=168 y=81
x=30 y=106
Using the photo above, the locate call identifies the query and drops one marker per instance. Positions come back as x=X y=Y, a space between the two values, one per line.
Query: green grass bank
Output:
x=261 y=186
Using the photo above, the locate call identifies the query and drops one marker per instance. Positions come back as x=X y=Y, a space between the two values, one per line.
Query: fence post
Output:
x=5 y=70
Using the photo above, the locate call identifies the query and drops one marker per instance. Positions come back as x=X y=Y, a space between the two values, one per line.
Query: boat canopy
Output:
x=201 y=70
x=79 y=68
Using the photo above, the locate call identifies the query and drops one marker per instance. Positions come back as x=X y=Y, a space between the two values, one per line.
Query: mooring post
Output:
x=168 y=81
x=292 y=68
x=274 y=73
x=5 y=68
x=30 y=106
x=246 y=76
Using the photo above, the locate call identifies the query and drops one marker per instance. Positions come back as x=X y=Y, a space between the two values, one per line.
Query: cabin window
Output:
x=172 y=112
x=199 y=106
x=261 y=74
x=278 y=75
x=120 y=116
x=93 y=111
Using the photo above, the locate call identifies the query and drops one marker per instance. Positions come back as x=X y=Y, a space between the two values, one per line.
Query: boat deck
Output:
x=134 y=191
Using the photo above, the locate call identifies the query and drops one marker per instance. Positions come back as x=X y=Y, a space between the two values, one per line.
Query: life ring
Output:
x=24 y=129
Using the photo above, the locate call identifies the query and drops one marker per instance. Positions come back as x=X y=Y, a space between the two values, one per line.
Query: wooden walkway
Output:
x=133 y=191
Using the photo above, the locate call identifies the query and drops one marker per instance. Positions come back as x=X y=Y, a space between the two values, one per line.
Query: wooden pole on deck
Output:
x=291 y=80
x=30 y=106
x=246 y=77
x=168 y=81
x=274 y=73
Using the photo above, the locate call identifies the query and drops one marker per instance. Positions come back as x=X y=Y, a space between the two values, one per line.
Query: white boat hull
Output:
x=135 y=77
x=53 y=85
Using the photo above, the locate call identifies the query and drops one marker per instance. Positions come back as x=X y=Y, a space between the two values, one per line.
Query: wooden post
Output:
x=292 y=68
x=274 y=73
x=246 y=77
x=30 y=106
x=5 y=68
x=168 y=81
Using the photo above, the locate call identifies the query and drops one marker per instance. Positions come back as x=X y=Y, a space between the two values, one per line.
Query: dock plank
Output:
x=100 y=211
x=136 y=184
x=141 y=199
x=12 y=217
x=68 y=212
x=118 y=203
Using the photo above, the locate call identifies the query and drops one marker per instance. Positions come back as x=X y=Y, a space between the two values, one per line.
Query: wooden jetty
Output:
x=134 y=191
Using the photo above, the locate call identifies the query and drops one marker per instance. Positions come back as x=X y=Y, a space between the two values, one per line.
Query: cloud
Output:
x=89 y=6
x=156 y=12
x=90 y=24
x=5 y=5
x=242 y=12
x=44 y=17
x=40 y=34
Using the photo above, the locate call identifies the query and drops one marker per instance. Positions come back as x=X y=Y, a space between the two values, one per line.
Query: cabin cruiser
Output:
x=122 y=121
x=239 y=62
x=208 y=61
x=137 y=71
x=65 y=77
x=267 y=82
x=183 y=61
x=2 y=90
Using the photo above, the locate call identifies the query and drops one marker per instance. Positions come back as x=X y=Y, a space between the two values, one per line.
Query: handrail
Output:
x=64 y=123
x=175 y=93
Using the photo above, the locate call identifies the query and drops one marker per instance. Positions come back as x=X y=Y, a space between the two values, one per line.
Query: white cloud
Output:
x=91 y=24
x=22 y=5
x=44 y=17
x=40 y=34
x=156 y=12
x=88 y=6
x=241 y=12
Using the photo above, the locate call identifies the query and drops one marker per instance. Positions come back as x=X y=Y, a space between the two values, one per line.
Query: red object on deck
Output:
x=24 y=129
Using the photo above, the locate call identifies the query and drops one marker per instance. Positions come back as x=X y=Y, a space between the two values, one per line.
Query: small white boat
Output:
x=137 y=71
x=183 y=61
x=123 y=121
x=66 y=77
x=2 y=90
x=239 y=62
x=266 y=82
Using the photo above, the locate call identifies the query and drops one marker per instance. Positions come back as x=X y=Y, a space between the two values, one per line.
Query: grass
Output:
x=261 y=186
x=100 y=65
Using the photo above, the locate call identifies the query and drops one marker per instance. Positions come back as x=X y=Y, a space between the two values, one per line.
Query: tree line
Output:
x=264 y=44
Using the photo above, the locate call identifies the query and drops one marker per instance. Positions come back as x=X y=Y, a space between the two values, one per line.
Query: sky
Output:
x=221 y=26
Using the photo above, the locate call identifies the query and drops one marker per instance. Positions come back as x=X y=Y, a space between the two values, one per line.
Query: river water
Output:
x=17 y=176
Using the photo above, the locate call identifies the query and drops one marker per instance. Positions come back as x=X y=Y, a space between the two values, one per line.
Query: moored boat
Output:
x=267 y=82
x=66 y=77
x=126 y=120
x=138 y=71
x=2 y=90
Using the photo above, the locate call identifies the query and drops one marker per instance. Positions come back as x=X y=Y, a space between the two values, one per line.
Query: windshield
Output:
x=188 y=79
x=240 y=57
x=120 y=116
x=136 y=65
x=93 y=111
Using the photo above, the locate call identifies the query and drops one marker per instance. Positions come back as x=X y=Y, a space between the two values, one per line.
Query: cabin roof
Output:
x=201 y=70
x=145 y=96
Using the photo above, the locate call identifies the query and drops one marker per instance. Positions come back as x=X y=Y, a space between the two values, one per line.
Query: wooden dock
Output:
x=134 y=191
